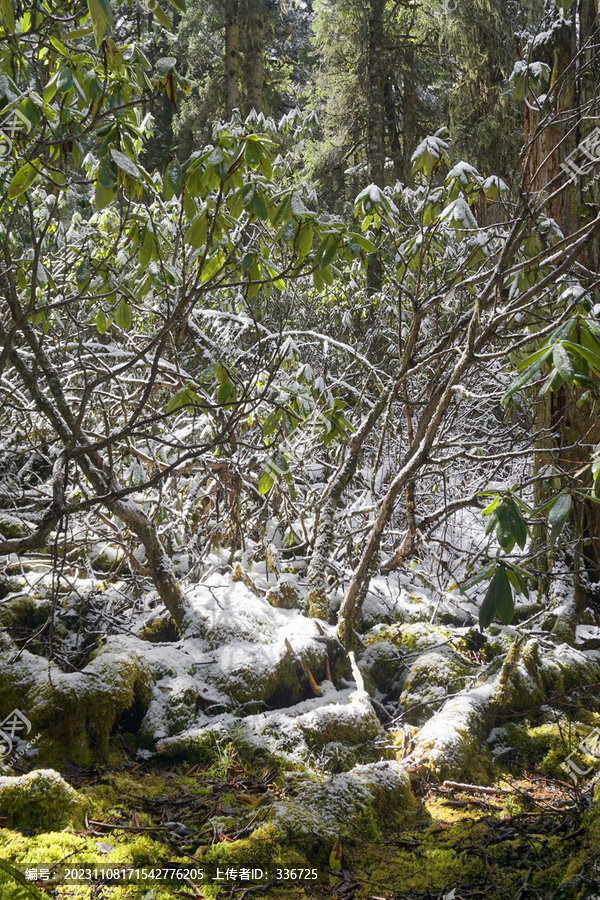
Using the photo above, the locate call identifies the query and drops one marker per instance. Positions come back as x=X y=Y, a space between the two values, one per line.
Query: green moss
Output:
x=285 y=596
x=25 y=611
x=74 y=714
x=547 y=745
x=40 y=801
x=410 y=638
x=431 y=677
x=160 y=630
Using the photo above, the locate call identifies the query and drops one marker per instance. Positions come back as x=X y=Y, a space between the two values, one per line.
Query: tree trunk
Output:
x=409 y=114
x=232 y=39
x=393 y=132
x=562 y=428
x=316 y=576
x=414 y=458
x=99 y=475
x=376 y=116
x=452 y=744
x=254 y=55
x=376 y=76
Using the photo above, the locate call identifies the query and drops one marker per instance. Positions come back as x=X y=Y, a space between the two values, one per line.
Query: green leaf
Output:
x=82 y=273
x=563 y=362
x=126 y=164
x=259 y=207
x=511 y=523
x=530 y=371
x=518 y=82
x=492 y=506
x=505 y=607
x=103 y=197
x=173 y=179
x=211 y=266
x=197 y=230
x=225 y=391
x=487 y=610
x=179 y=4
x=101 y=323
x=221 y=373
x=363 y=242
x=504 y=531
x=592 y=358
x=251 y=155
x=102 y=18
x=266 y=483
x=184 y=397
x=64 y=82
x=558 y=515
x=529 y=360
x=77 y=33
x=123 y=315
x=517 y=580
x=303 y=241
x=20 y=889
x=161 y=16
x=148 y=249
x=22 y=180
x=8 y=14
x=165 y=64
x=335 y=857
x=492 y=523
x=478 y=577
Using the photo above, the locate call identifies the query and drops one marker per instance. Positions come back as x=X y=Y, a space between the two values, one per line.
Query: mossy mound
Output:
x=380 y=664
x=546 y=746
x=74 y=713
x=367 y=800
x=40 y=801
x=285 y=594
x=14 y=526
x=431 y=677
x=332 y=732
x=412 y=637
x=24 y=610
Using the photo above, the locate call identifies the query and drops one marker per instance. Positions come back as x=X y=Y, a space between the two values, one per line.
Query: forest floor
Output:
x=523 y=838
x=254 y=758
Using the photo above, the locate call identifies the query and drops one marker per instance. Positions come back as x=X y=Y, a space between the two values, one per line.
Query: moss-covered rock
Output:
x=431 y=677
x=380 y=664
x=366 y=800
x=546 y=746
x=14 y=527
x=285 y=594
x=74 y=713
x=336 y=731
x=412 y=637
x=40 y=801
x=159 y=630
x=24 y=609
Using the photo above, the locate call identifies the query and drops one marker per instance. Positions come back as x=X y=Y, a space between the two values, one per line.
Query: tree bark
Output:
x=98 y=474
x=316 y=575
x=254 y=55
x=376 y=77
x=409 y=142
x=563 y=429
x=413 y=460
x=376 y=117
x=232 y=40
